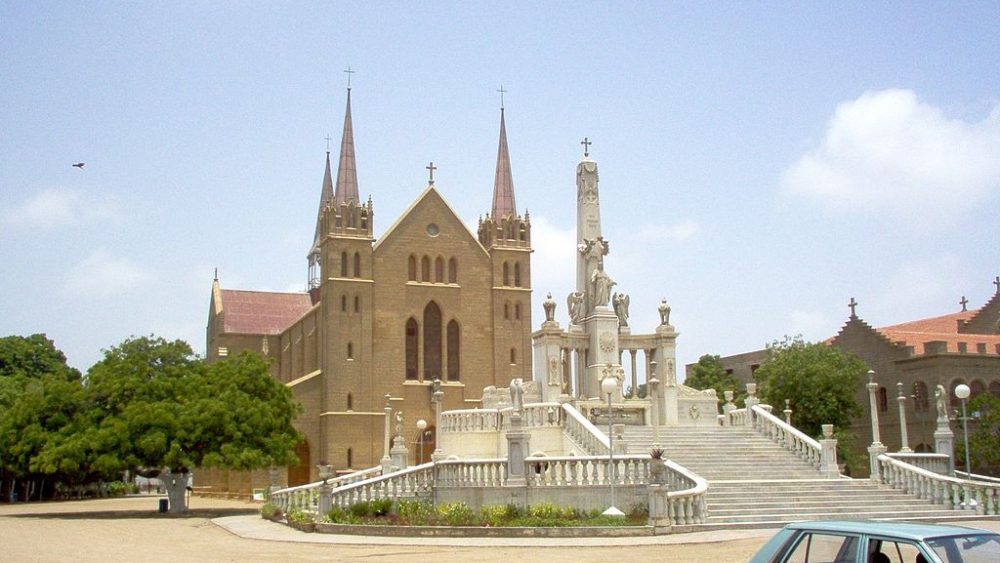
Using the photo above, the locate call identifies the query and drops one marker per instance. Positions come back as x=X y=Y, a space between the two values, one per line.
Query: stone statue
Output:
x=550 y=308
x=620 y=302
x=517 y=394
x=574 y=303
x=602 y=284
x=664 y=310
x=942 y=408
x=555 y=371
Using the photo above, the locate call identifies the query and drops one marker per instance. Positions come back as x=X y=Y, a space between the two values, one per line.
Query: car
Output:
x=862 y=541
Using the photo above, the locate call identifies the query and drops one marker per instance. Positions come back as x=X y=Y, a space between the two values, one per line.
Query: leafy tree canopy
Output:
x=984 y=435
x=709 y=373
x=33 y=356
x=820 y=382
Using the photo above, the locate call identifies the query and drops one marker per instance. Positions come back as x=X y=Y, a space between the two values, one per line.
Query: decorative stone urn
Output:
x=657 y=467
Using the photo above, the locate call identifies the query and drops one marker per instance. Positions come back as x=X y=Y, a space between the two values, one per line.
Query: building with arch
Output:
x=383 y=319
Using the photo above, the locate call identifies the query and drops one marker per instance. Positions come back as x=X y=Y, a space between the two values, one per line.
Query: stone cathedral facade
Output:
x=384 y=319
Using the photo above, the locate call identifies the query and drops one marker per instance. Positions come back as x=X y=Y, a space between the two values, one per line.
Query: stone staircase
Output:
x=754 y=482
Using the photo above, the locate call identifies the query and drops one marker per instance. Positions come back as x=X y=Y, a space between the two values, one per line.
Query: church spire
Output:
x=347 y=176
x=325 y=196
x=503 y=185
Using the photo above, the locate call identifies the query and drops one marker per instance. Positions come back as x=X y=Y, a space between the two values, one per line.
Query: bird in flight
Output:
x=80 y=165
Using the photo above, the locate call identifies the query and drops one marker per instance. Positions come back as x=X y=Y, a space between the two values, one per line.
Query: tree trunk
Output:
x=176 y=486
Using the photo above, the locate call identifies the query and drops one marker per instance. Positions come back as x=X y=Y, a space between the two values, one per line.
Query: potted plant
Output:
x=657 y=467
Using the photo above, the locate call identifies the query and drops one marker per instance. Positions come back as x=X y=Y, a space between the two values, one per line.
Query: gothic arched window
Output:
x=357 y=264
x=883 y=400
x=411 y=348
x=343 y=264
x=513 y=356
x=411 y=268
x=425 y=269
x=439 y=270
x=506 y=274
x=452 y=271
x=517 y=274
x=357 y=304
x=432 y=341
x=454 y=351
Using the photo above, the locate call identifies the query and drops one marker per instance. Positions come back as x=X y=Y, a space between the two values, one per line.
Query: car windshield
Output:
x=972 y=548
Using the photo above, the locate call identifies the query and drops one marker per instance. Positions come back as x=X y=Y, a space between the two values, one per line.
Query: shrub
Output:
x=296 y=516
x=457 y=514
x=497 y=515
x=415 y=513
x=117 y=489
x=270 y=510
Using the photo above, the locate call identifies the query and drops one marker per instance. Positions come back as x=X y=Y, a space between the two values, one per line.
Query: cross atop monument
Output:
x=502 y=92
x=963 y=303
x=586 y=146
x=996 y=282
x=432 y=168
x=328 y=139
x=349 y=73
x=852 y=305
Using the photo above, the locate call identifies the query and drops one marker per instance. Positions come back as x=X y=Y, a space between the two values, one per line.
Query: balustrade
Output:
x=783 y=433
x=982 y=497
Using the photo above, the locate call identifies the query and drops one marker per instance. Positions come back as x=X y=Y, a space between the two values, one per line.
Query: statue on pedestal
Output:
x=550 y=308
x=602 y=284
x=664 y=310
x=620 y=303
x=574 y=304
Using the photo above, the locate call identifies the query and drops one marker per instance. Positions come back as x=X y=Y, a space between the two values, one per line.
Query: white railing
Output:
x=737 y=417
x=938 y=463
x=470 y=420
x=409 y=482
x=305 y=497
x=976 y=476
x=583 y=432
x=578 y=471
x=786 y=435
x=953 y=493
x=471 y=473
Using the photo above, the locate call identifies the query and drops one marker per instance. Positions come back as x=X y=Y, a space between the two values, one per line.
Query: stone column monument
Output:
x=944 y=438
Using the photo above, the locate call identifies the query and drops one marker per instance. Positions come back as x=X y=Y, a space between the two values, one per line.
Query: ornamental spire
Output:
x=325 y=196
x=347 y=176
x=503 y=185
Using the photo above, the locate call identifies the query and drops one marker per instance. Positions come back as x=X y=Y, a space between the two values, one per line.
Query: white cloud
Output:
x=553 y=265
x=677 y=232
x=916 y=289
x=812 y=325
x=56 y=207
x=887 y=151
x=101 y=275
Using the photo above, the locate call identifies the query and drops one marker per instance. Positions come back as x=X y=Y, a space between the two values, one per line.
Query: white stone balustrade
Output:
x=470 y=420
x=471 y=473
x=790 y=437
x=582 y=432
x=940 y=489
x=306 y=497
x=938 y=463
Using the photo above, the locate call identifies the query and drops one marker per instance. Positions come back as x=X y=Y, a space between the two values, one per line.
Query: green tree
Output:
x=984 y=435
x=709 y=373
x=157 y=410
x=39 y=395
x=820 y=382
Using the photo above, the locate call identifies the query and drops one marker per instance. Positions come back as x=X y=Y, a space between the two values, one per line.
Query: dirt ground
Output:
x=131 y=530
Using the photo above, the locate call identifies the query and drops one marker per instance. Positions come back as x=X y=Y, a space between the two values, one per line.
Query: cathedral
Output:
x=429 y=311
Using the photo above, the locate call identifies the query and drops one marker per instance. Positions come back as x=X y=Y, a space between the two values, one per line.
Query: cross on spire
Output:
x=502 y=92
x=852 y=305
x=963 y=303
x=349 y=73
x=431 y=168
x=328 y=139
x=996 y=282
x=586 y=146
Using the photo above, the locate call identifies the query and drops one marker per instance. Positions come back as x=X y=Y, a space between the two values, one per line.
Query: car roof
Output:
x=908 y=530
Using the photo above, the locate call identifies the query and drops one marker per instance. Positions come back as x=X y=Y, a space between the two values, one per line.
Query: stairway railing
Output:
x=583 y=432
x=956 y=494
x=792 y=439
x=305 y=497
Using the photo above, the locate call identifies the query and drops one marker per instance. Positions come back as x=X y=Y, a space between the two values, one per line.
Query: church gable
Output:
x=430 y=221
x=987 y=319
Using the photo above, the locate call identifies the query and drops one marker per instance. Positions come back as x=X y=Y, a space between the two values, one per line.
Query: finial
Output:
x=502 y=92
x=349 y=73
x=996 y=282
x=964 y=302
x=432 y=168
x=586 y=146
x=216 y=274
x=852 y=305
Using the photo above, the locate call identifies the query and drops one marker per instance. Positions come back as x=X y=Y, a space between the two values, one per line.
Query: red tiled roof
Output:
x=261 y=312
x=944 y=329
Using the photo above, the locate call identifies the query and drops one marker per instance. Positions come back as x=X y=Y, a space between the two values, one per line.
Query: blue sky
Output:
x=761 y=163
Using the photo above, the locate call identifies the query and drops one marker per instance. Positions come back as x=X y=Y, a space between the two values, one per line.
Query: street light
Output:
x=962 y=391
x=608 y=386
x=421 y=426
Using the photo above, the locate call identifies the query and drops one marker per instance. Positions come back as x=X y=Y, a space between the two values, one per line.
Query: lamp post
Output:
x=421 y=426
x=962 y=391
x=608 y=386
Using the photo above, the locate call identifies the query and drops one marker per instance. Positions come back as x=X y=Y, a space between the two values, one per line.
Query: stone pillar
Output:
x=788 y=412
x=904 y=440
x=659 y=509
x=325 y=491
x=750 y=401
x=399 y=454
x=728 y=407
x=876 y=448
x=653 y=386
x=517 y=451
x=828 y=454
x=602 y=328
x=548 y=360
x=437 y=397
x=386 y=459
x=944 y=443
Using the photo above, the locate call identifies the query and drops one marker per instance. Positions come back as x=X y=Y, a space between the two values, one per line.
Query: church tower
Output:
x=342 y=254
x=507 y=237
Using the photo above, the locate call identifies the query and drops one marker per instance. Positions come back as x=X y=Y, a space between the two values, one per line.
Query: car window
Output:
x=973 y=548
x=894 y=551
x=824 y=548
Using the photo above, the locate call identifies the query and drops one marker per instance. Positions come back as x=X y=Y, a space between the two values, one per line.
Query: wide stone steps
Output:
x=755 y=482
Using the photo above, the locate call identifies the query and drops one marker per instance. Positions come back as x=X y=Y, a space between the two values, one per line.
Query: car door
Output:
x=824 y=547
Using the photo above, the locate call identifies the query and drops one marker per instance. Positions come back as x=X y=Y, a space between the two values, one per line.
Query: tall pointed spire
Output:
x=324 y=198
x=347 y=176
x=503 y=185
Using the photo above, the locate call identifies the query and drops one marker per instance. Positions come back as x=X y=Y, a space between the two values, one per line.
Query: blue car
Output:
x=845 y=541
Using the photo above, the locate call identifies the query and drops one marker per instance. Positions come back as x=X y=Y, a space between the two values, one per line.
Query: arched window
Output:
x=513 y=356
x=350 y=457
x=343 y=264
x=439 y=270
x=425 y=269
x=506 y=274
x=350 y=350
x=357 y=264
x=453 y=351
x=412 y=268
x=357 y=304
x=995 y=389
x=343 y=303
x=411 y=349
x=976 y=387
x=452 y=271
x=517 y=274
x=883 y=399
x=350 y=402
x=506 y=310
x=517 y=311
x=432 y=341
